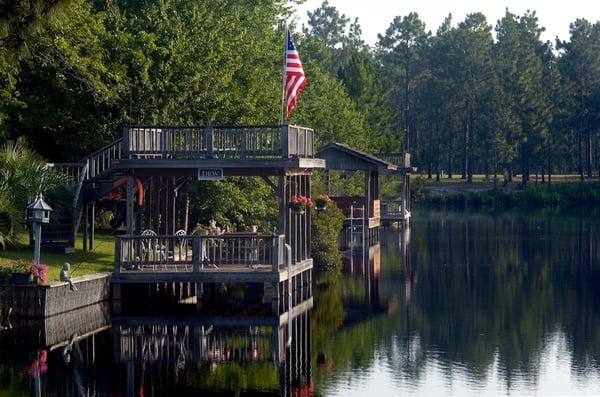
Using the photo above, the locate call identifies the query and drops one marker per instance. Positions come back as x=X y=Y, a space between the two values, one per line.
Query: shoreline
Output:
x=480 y=195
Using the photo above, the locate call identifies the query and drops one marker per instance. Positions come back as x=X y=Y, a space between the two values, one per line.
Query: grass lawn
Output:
x=101 y=259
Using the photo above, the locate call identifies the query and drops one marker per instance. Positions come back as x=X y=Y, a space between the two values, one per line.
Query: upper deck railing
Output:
x=217 y=142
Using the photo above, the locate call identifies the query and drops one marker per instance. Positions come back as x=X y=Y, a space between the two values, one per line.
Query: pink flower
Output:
x=39 y=272
x=40 y=365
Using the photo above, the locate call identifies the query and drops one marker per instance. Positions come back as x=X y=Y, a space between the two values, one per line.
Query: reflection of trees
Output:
x=328 y=312
x=491 y=289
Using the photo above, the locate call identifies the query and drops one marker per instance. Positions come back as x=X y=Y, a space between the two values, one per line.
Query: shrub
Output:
x=24 y=175
x=325 y=229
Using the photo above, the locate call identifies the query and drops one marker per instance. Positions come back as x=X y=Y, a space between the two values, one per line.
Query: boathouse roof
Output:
x=339 y=156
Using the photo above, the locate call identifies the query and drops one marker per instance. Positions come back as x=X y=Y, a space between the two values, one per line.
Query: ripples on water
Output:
x=464 y=304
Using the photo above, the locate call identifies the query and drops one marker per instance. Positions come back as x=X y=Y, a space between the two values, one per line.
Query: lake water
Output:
x=460 y=304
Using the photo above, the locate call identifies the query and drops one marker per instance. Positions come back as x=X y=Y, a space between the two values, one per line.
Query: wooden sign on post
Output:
x=210 y=174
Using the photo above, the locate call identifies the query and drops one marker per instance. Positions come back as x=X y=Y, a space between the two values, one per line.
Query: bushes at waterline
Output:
x=566 y=194
x=325 y=229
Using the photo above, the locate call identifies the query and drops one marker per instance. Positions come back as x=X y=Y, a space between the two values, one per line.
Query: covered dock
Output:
x=149 y=165
x=398 y=210
x=364 y=210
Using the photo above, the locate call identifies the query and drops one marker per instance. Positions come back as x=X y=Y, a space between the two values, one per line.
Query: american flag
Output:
x=293 y=74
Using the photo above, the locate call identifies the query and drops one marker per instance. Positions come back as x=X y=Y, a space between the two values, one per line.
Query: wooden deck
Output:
x=230 y=273
x=205 y=258
x=392 y=211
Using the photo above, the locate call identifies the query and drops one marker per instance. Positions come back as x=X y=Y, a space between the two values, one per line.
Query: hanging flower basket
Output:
x=298 y=204
x=322 y=201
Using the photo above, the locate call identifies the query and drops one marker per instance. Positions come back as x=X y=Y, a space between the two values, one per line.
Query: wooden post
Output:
x=367 y=210
x=85 y=227
x=92 y=226
x=126 y=142
x=196 y=254
x=282 y=203
x=275 y=297
x=285 y=149
x=118 y=256
x=116 y=299
x=276 y=251
x=199 y=293
x=129 y=203
x=174 y=206
x=210 y=144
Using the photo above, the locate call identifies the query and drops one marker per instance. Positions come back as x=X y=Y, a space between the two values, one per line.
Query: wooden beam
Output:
x=211 y=275
x=270 y=183
x=232 y=164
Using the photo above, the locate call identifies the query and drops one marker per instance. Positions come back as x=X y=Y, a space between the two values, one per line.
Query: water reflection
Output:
x=91 y=353
x=219 y=354
x=460 y=304
x=473 y=303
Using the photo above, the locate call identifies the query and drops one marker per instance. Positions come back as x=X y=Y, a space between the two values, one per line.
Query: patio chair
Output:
x=151 y=249
x=182 y=246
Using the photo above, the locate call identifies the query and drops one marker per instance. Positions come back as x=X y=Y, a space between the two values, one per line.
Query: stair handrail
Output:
x=82 y=178
x=95 y=171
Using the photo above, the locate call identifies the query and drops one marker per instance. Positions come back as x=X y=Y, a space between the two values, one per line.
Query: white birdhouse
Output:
x=39 y=211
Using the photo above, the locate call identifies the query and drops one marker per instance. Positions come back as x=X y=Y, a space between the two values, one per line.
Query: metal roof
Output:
x=325 y=153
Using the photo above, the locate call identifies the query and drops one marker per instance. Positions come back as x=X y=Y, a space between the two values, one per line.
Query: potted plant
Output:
x=200 y=230
x=298 y=204
x=321 y=201
x=20 y=273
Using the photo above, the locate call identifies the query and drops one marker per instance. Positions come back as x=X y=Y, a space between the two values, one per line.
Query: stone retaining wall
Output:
x=55 y=298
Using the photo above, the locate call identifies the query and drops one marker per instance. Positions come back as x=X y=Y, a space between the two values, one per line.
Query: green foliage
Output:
x=23 y=174
x=73 y=72
x=235 y=377
x=416 y=187
x=240 y=202
x=325 y=229
x=326 y=107
x=568 y=194
x=101 y=259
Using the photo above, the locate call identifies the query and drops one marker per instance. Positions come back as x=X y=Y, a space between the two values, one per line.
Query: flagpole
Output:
x=285 y=38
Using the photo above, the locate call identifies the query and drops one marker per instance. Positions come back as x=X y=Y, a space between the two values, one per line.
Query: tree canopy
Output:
x=469 y=98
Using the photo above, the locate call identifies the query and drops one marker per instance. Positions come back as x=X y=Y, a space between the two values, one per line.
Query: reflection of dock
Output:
x=168 y=345
x=57 y=331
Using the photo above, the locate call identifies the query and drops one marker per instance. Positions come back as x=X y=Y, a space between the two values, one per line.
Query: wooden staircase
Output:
x=92 y=178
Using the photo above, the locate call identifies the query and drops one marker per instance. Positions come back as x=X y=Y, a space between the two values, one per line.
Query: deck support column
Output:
x=116 y=299
x=275 y=295
x=129 y=203
x=92 y=225
x=282 y=203
x=367 y=212
x=199 y=292
x=84 y=228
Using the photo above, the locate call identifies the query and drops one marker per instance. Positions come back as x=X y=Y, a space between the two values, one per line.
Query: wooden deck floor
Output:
x=222 y=274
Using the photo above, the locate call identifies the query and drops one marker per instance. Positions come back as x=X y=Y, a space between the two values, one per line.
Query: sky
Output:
x=376 y=15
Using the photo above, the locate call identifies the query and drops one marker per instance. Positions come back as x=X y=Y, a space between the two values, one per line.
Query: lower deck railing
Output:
x=391 y=208
x=196 y=253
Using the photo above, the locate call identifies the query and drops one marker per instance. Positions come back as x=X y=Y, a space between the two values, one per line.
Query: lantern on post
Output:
x=38 y=213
